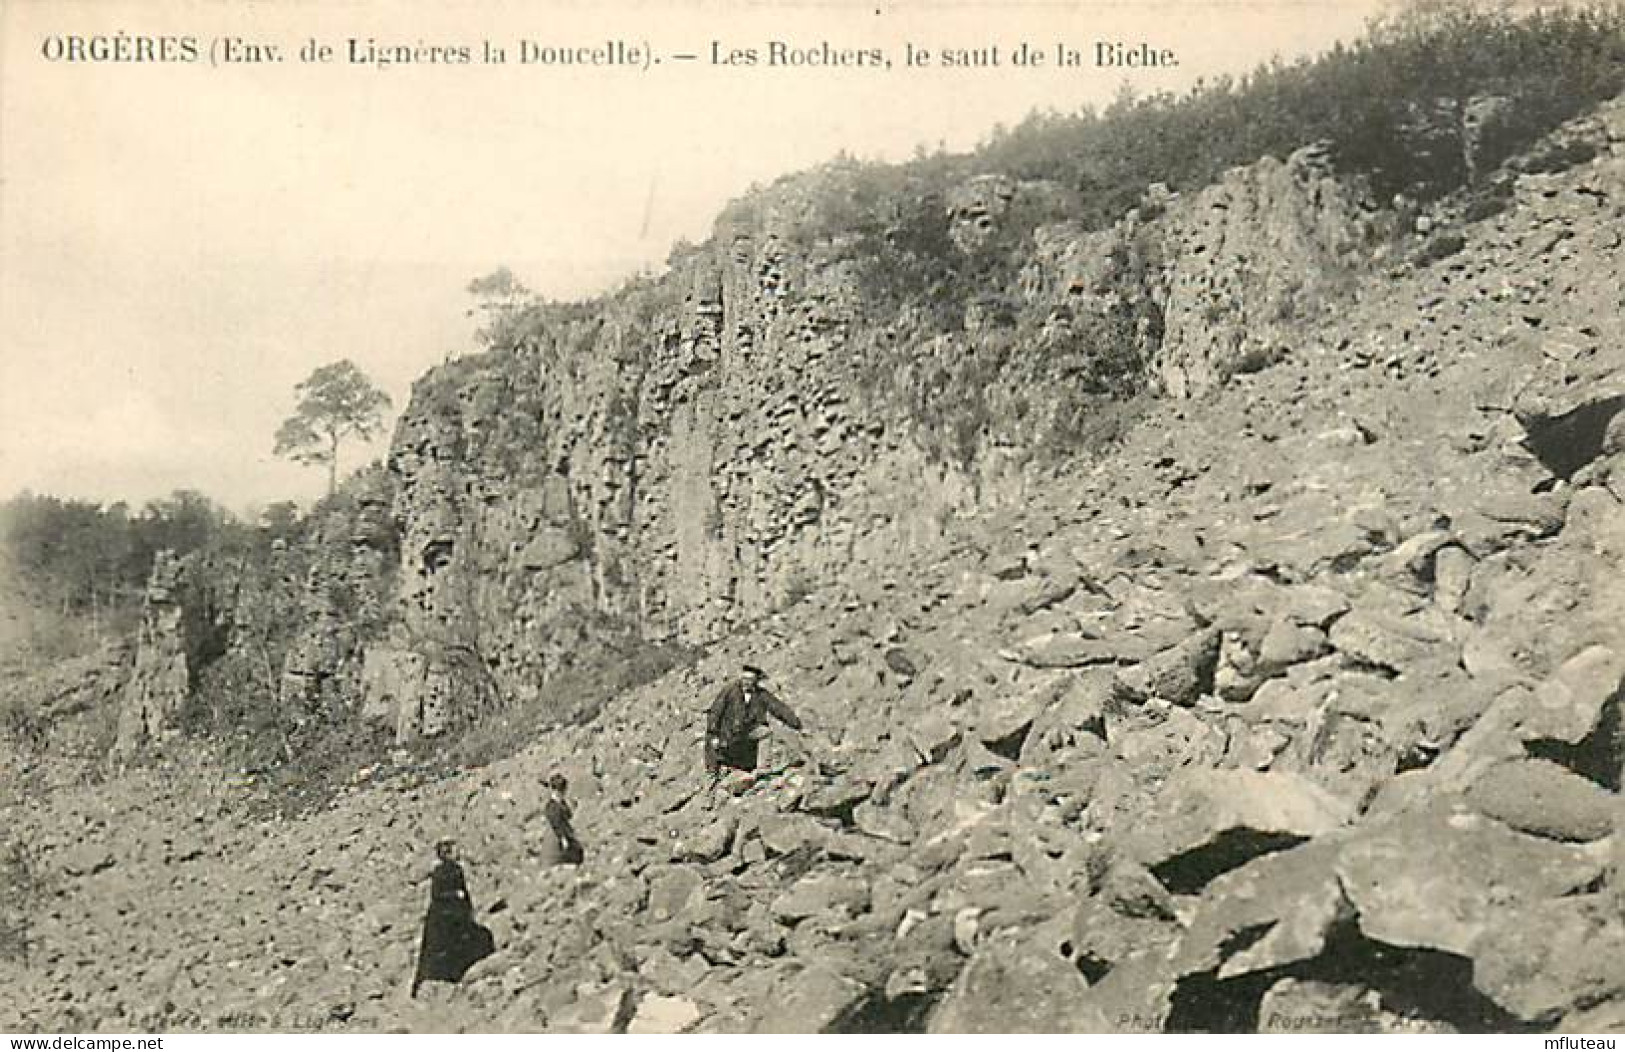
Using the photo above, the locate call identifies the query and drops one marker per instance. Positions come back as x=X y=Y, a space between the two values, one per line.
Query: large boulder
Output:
x=1157 y=739
x=660 y=1014
x=1206 y=822
x=822 y=891
x=804 y=1000
x=1292 y=897
x=1543 y=798
x=1384 y=640
x=1569 y=703
x=710 y=842
x=925 y=955
x=882 y=823
x=1181 y=673
x=1553 y=957
x=601 y=1010
x=1132 y=914
x=1075 y=650
x=783 y=834
x=1442 y=877
x=1289 y=643
x=671 y=889
x=1003 y=723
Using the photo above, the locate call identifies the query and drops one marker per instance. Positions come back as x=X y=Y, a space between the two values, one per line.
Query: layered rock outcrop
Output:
x=1223 y=277
x=686 y=456
x=693 y=453
x=676 y=460
x=159 y=682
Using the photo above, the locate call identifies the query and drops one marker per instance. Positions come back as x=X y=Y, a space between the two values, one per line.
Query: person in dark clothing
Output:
x=561 y=845
x=737 y=722
x=452 y=939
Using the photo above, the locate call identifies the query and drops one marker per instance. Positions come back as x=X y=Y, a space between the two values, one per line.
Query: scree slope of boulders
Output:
x=1301 y=711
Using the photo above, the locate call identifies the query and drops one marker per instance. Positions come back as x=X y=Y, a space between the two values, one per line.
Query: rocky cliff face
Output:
x=692 y=454
x=337 y=589
x=275 y=625
x=1222 y=278
x=159 y=682
x=675 y=461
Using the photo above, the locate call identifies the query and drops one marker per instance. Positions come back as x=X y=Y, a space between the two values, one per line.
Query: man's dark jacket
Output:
x=728 y=738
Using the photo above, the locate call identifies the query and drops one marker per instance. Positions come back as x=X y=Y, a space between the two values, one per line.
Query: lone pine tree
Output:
x=336 y=402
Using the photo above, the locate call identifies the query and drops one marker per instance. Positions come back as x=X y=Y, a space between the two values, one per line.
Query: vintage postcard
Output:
x=823 y=517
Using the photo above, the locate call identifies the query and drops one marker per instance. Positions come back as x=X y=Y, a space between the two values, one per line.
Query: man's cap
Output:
x=754 y=671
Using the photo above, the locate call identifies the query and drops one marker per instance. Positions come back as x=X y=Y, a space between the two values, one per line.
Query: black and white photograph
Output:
x=821 y=517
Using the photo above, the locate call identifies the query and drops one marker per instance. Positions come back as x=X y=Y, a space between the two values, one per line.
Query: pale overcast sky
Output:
x=180 y=244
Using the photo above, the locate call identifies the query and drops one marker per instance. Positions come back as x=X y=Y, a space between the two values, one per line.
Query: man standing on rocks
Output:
x=737 y=722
